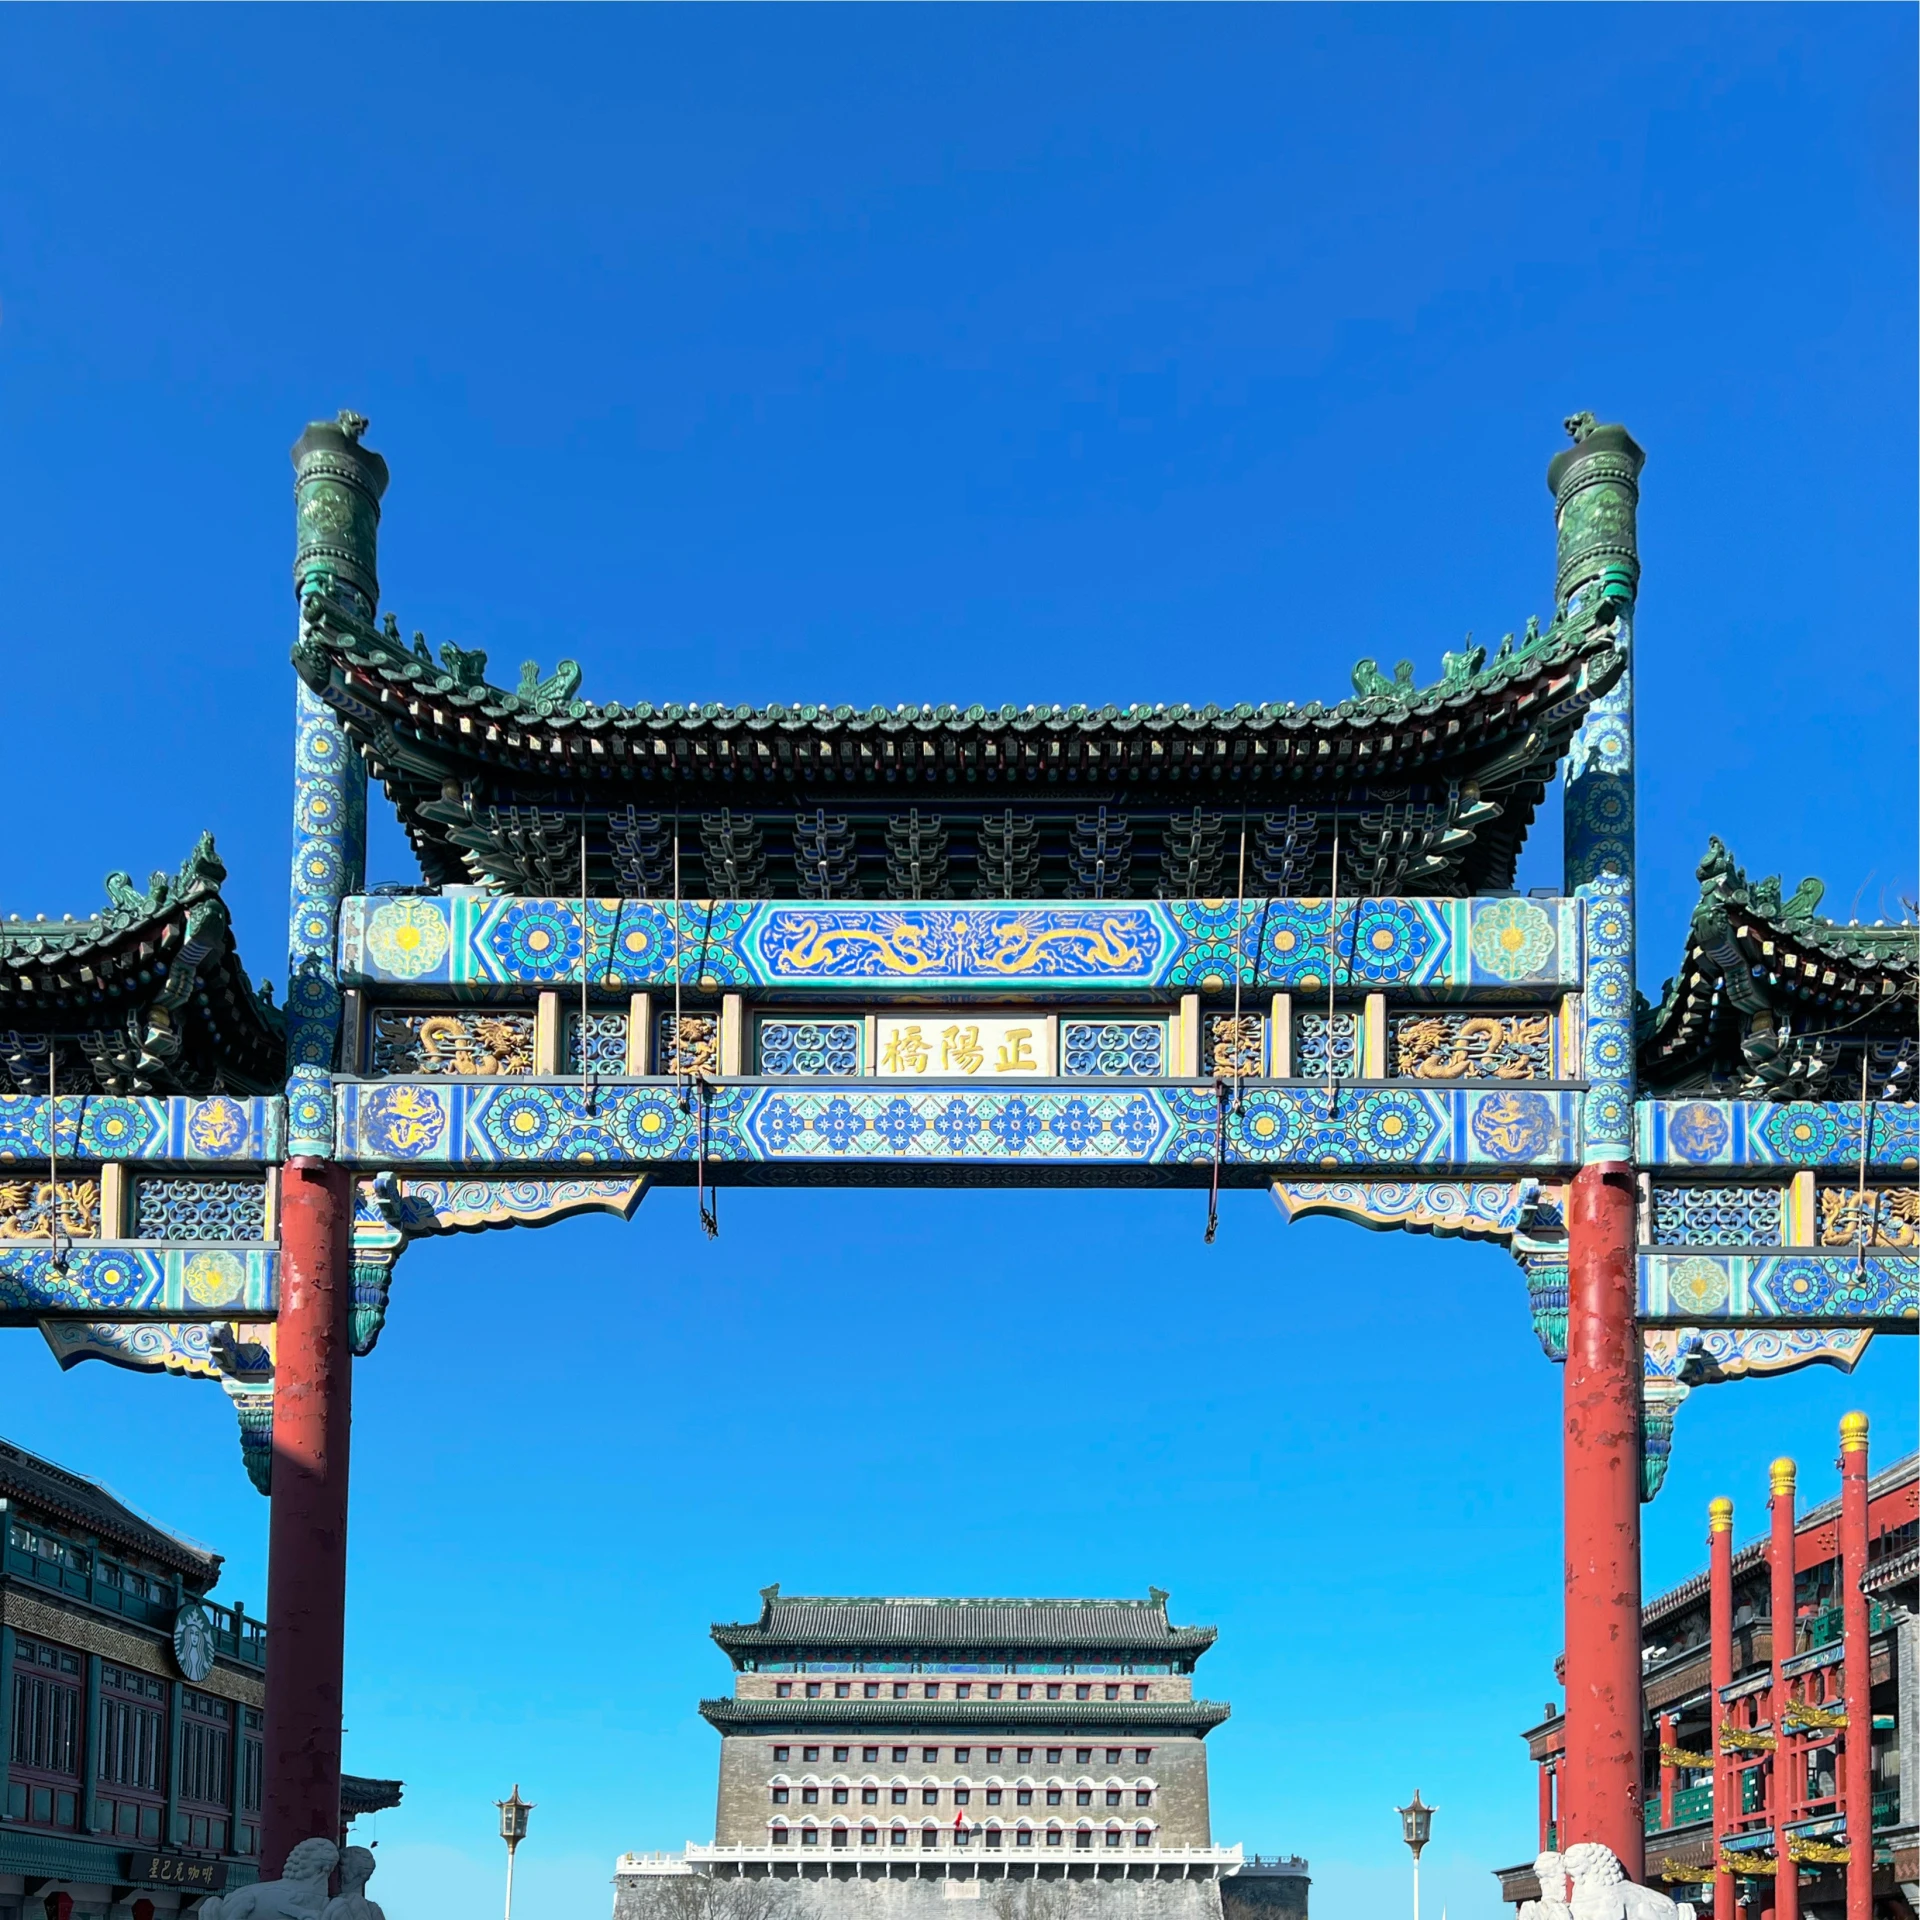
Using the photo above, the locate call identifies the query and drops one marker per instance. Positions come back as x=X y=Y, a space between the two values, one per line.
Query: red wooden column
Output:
x=307 y=1539
x=1601 y=1795
x=1856 y=1756
x=1720 y=1676
x=1669 y=1773
x=1546 y=1806
x=1785 y=1800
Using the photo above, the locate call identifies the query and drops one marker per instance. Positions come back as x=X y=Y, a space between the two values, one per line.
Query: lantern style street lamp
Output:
x=1416 y=1828
x=513 y=1829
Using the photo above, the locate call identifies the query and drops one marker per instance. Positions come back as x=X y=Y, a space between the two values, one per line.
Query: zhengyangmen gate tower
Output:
x=1269 y=945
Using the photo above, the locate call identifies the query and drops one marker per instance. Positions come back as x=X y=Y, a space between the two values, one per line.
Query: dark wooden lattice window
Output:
x=44 y=1778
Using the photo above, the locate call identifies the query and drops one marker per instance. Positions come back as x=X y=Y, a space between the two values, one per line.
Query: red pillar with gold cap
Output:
x=1720 y=1677
x=1857 y=1750
x=1786 y=1760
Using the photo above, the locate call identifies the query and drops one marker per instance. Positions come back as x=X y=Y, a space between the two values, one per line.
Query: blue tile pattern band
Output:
x=329 y=849
x=475 y=1126
x=1451 y=947
x=1600 y=860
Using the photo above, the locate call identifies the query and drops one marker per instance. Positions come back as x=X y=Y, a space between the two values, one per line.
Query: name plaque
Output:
x=177 y=1870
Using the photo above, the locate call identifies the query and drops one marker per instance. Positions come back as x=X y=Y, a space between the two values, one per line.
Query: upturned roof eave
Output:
x=92 y=967
x=333 y=645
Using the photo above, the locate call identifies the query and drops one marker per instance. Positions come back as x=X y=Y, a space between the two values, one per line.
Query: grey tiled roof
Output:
x=360 y=1793
x=1136 y=1626
x=38 y=1489
x=972 y=1717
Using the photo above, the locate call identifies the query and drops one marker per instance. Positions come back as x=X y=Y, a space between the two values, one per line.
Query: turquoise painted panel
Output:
x=641 y=1123
x=111 y=1126
x=1773 y=1133
x=1448 y=946
x=1837 y=1289
x=116 y=1281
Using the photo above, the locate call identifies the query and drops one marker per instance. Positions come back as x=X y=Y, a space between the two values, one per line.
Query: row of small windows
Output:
x=972 y=1669
x=900 y=1796
x=993 y=1837
x=963 y=1756
x=962 y=1690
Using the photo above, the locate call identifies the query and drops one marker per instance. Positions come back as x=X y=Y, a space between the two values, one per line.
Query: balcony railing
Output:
x=1826 y=1627
x=69 y=1567
x=1690 y=1804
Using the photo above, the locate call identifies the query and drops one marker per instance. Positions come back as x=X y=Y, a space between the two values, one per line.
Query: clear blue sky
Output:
x=1042 y=354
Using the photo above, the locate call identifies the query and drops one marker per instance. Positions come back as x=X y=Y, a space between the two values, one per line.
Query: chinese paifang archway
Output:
x=1273 y=946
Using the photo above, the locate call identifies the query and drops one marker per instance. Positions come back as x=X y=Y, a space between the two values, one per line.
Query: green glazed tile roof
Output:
x=147 y=996
x=487 y=779
x=1772 y=1000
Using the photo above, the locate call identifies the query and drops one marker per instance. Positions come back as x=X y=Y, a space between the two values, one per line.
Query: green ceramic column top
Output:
x=1596 y=492
x=336 y=490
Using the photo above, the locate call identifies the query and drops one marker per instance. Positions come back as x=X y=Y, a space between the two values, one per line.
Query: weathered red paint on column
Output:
x=1785 y=1801
x=1857 y=1753
x=1720 y=1676
x=1602 y=1465
x=307 y=1541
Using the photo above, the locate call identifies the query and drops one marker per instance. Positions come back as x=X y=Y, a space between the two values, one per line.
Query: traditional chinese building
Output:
x=932 y=1740
x=1273 y=944
x=131 y=1767
x=997 y=1725
x=1751 y=1806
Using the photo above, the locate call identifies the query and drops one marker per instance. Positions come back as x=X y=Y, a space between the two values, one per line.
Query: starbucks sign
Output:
x=193 y=1641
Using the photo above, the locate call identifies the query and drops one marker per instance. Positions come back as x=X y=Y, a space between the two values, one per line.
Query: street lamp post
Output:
x=513 y=1829
x=1416 y=1828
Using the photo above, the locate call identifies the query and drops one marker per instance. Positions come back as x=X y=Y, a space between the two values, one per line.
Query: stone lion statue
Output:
x=351 y=1902
x=1556 y=1887
x=299 y=1894
x=1600 y=1889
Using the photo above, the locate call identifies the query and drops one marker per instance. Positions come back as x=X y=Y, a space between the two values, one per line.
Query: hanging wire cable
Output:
x=586 y=955
x=1333 y=954
x=1220 y=1096
x=709 y=1196
x=62 y=1241
x=1223 y=1089
x=1239 y=959
x=676 y=1061
x=1862 y=1226
x=706 y=1197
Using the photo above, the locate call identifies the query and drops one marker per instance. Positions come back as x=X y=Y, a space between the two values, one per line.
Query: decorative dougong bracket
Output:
x=389 y=1214
x=1528 y=1218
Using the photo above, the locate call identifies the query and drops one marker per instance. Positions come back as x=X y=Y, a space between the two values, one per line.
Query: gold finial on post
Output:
x=1720 y=1515
x=1853 y=1433
x=1781 y=1476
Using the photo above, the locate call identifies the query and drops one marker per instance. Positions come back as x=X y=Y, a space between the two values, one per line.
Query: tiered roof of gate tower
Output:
x=910 y=1730
x=791 y=1624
